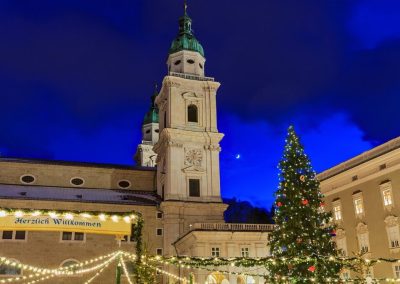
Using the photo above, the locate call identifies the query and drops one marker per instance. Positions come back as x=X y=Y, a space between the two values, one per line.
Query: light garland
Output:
x=219 y=270
x=63 y=271
x=126 y=272
x=41 y=279
x=100 y=271
x=128 y=217
x=166 y=273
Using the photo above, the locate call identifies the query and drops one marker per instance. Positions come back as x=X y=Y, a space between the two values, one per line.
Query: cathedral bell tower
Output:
x=145 y=156
x=188 y=148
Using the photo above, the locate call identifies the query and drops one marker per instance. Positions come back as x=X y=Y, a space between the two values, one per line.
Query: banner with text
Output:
x=77 y=224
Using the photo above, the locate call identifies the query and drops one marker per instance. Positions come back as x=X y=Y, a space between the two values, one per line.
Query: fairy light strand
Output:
x=126 y=272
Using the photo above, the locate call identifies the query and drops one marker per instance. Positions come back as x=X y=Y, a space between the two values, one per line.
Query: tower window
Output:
x=190 y=61
x=157 y=131
x=165 y=119
x=147 y=131
x=192 y=113
x=200 y=65
x=194 y=187
x=177 y=62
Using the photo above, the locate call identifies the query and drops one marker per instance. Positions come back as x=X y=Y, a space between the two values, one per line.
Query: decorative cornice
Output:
x=169 y=82
x=360 y=159
x=213 y=147
x=362 y=228
x=392 y=221
x=340 y=233
x=191 y=95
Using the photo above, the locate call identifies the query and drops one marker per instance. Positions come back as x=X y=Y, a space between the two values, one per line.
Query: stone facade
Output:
x=362 y=194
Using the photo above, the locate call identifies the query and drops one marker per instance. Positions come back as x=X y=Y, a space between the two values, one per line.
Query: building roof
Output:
x=89 y=195
x=360 y=159
x=152 y=115
x=186 y=39
x=75 y=164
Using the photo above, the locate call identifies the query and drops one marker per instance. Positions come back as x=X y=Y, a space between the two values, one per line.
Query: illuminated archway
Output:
x=216 y=278
x=246 y=280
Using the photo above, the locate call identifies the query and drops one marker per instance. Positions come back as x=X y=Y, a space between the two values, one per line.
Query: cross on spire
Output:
x=185 y=6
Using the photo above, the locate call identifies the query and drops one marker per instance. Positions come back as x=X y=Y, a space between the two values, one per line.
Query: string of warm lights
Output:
x=108 y=262
x=176 y=277
x=45 y=271
x=64 y=271
x=121 y=260
x=42 y=279
x=20 y=278
x=128 y=217
x=98 y=266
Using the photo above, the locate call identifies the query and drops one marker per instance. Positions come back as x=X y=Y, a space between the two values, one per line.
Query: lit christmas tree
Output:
x=304 y=229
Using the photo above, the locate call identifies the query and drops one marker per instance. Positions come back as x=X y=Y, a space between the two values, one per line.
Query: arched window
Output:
x=192 y=113
x=6 y=270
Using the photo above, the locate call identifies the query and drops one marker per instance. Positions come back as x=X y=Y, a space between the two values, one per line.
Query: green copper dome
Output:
x=185 y=39
x=152 y=115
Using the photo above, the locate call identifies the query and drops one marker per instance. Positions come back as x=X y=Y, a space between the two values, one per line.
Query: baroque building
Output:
x=363 y=195
x=175 y=186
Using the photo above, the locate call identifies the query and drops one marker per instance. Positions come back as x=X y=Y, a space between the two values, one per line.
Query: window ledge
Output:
x=394 y=250
x=389 y=207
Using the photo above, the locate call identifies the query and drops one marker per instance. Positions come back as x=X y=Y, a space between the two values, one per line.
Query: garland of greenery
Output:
x=266 y=261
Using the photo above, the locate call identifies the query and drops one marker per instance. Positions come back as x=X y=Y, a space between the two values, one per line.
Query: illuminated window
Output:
x=387 y=194
x=337 y=210
x=358 y=206
x=215 y=252
x=387 y=197
x=358 y=203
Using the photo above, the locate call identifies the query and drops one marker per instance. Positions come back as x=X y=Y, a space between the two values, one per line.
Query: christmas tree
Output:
x=303 y=228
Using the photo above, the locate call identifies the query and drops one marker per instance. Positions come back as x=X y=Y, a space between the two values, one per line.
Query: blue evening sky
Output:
x=76 y=78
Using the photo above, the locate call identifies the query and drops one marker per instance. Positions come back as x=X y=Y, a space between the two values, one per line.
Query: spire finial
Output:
x=185 y=6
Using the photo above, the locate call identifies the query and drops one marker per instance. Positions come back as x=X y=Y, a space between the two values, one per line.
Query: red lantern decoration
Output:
x=322 y=204
x=279 y=204
x=304 y=202
x=311 y=268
